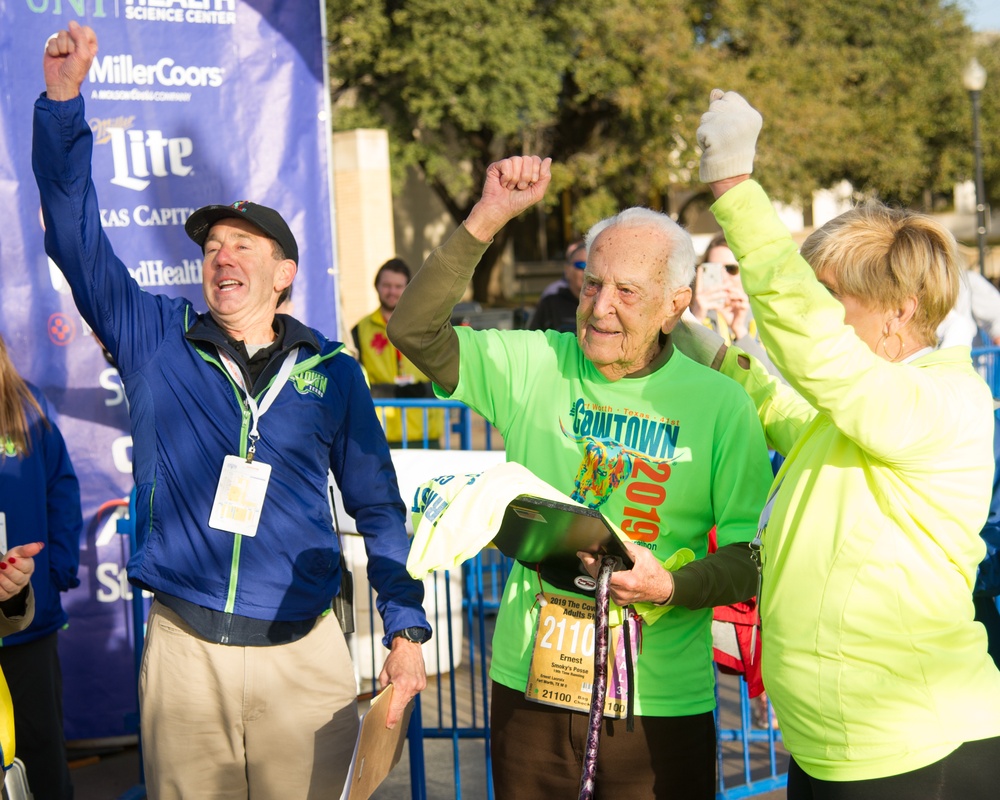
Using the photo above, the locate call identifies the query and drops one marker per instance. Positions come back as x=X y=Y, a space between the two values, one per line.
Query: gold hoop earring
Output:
x=885 y=349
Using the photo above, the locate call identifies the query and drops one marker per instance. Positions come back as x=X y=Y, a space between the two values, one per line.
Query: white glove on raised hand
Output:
x=727 y=136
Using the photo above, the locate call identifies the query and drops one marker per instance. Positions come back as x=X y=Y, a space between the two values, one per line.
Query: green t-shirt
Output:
x=665 y=456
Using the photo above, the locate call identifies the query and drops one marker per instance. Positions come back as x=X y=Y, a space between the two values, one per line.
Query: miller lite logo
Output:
x=139 y=155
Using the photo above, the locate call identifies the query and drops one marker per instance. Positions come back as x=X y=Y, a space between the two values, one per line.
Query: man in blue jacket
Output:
x=237 y=417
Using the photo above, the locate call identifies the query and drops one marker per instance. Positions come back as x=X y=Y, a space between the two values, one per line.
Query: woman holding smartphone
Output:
x=718 y=301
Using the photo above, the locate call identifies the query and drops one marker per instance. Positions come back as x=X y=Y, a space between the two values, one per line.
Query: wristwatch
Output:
x=415 y=634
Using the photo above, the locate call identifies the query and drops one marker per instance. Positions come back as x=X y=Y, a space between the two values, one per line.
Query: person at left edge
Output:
x=39 y=502
x=246 y=687
x=17 y=609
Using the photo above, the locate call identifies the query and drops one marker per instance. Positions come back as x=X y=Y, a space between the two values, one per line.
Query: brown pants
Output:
x=228 y=723
x=538 y=753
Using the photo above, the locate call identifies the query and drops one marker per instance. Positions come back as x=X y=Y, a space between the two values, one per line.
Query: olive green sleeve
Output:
x=726 y=576
x=420 y=326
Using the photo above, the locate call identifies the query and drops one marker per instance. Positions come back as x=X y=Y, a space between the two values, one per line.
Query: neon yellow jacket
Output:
x=384 y=365
x=870 y=652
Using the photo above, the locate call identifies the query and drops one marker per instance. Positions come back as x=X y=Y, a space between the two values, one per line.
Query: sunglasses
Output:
x=580 y=264
x=732 y=269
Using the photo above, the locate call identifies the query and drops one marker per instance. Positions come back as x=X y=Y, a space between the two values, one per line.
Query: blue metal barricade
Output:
x=461 y=697
x=460 y=431
x=986 y=360
x=750 y=758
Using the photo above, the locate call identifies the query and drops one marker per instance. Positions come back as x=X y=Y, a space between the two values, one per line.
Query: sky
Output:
x=984 y=15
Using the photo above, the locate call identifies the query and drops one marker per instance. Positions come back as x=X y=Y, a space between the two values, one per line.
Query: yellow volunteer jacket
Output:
x=871 y=656
x=391 y=374
x=718 y=324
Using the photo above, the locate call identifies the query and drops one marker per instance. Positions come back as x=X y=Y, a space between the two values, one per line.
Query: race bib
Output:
x=562 y=661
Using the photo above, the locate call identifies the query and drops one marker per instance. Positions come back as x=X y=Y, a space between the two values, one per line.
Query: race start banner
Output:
x=191 y=102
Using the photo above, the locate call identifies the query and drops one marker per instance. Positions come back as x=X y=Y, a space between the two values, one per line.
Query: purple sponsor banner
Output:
x=191 y=102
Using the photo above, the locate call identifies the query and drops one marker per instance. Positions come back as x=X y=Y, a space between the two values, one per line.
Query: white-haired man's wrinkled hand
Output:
x=727 y=136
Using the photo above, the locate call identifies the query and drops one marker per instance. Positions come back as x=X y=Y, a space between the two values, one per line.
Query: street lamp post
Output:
x=974 y=79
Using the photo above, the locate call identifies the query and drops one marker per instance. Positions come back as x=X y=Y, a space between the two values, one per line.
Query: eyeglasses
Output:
x=580 y=264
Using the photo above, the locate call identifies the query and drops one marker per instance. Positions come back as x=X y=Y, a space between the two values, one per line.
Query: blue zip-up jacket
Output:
x=40 y=499
x=187 y=415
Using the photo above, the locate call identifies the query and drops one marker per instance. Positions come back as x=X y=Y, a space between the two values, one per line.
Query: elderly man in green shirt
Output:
x=615 y=417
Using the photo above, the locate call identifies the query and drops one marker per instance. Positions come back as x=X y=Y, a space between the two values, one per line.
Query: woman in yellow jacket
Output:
x=870 y=541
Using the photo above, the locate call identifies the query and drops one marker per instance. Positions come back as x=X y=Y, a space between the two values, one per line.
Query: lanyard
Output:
x=756 y=547
x=258 y=411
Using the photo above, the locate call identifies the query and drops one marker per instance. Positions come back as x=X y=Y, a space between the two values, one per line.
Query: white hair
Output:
x=680 y=257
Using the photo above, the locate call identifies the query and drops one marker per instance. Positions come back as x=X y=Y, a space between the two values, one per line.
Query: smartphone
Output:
x=710 y=275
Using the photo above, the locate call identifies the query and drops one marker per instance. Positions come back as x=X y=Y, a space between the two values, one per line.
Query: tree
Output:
x=867 y=90
x=458 y=85
x=862 y=90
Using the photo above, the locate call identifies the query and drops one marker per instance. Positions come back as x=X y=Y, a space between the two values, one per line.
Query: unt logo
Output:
x=139 y=155
x=310 y=382
x=79 y=6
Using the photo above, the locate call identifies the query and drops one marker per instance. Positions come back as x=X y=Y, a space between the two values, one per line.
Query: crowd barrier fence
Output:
x=455 y=706
x=986 y=360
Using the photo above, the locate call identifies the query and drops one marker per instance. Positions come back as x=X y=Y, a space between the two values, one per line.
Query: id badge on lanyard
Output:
x=239 y=497
x=242 y=487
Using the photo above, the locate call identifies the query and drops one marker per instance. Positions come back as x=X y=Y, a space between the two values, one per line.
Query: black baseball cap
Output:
x=267 y=219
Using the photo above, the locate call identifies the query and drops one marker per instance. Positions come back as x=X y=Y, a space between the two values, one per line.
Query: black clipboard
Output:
x=546 y=534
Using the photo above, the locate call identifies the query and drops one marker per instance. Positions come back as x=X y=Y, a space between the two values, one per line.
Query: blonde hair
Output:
x=881 y=256
x=16 y=400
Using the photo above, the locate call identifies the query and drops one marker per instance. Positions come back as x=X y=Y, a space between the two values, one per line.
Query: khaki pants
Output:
x=222 y=722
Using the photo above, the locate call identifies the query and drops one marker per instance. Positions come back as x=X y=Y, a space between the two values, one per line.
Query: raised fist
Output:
x=68 y=56
x=727 y=136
